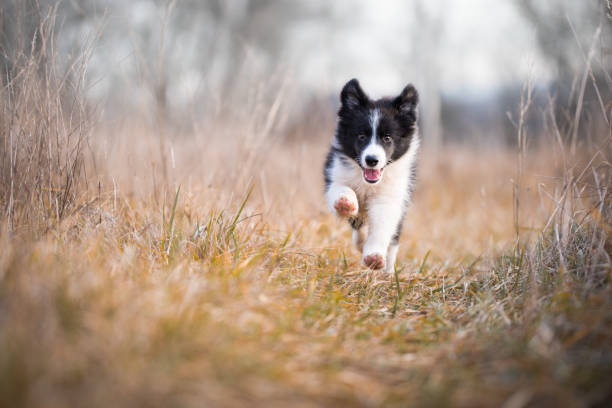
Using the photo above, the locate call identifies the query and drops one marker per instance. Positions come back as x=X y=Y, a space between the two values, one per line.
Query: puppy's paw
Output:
x=345 y=207
x=374 y=261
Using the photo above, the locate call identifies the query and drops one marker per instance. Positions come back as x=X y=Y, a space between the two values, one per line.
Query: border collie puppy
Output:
x=370 y=169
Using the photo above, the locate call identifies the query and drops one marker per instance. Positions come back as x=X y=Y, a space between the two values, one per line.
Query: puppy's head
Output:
x=375 y=133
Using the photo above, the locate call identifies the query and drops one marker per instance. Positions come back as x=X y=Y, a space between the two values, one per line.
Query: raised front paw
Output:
x=374 y=261
x=345 y=207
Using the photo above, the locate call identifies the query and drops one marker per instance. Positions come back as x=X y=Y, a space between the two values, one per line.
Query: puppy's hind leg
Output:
x=392 y=251
x=359 y=235
x=391 y=257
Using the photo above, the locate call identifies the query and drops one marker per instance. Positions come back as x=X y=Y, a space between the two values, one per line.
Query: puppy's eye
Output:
x=387 y=139
x=361 y=138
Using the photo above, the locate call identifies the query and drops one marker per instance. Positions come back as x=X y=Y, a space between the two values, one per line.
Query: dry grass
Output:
x=191 y=270
x=44 y=126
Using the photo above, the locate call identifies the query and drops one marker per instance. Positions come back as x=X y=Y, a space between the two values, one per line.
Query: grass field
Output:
x=144 y=267
x=204 y=295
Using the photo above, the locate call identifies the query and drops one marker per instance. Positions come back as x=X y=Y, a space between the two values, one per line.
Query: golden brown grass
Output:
x=129 y=302
x=189 y=269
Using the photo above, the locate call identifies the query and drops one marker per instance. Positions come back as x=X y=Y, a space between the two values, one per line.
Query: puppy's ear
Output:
x=352 y=96
x=407 y=101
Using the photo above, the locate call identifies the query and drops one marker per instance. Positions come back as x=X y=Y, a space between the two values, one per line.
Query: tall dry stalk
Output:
x=526 y=100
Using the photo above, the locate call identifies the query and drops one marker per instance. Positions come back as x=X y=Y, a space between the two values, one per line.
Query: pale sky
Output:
x=482 y=45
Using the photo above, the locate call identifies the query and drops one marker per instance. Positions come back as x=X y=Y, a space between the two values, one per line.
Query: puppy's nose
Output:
x=371 y=161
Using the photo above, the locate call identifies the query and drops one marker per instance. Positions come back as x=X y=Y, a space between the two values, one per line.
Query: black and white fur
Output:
x=370 y=169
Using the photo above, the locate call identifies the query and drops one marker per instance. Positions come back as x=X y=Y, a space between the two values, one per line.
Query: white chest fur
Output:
x=394 y=186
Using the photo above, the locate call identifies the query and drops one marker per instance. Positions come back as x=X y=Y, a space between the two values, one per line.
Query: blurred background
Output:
x=218 y=96
x=182 y=60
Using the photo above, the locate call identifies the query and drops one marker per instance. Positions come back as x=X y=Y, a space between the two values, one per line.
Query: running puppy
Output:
x=370 y=169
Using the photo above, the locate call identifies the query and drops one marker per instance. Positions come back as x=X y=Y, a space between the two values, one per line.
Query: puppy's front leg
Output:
x=383 y=219
x=342 y=200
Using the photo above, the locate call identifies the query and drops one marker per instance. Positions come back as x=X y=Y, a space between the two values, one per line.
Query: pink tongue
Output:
x=371 y=174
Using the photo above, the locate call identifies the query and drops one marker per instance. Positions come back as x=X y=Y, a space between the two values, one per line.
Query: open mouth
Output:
x=372 y=175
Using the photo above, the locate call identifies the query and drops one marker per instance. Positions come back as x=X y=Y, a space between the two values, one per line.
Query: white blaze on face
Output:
x=373 y=157
x=374 y=149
